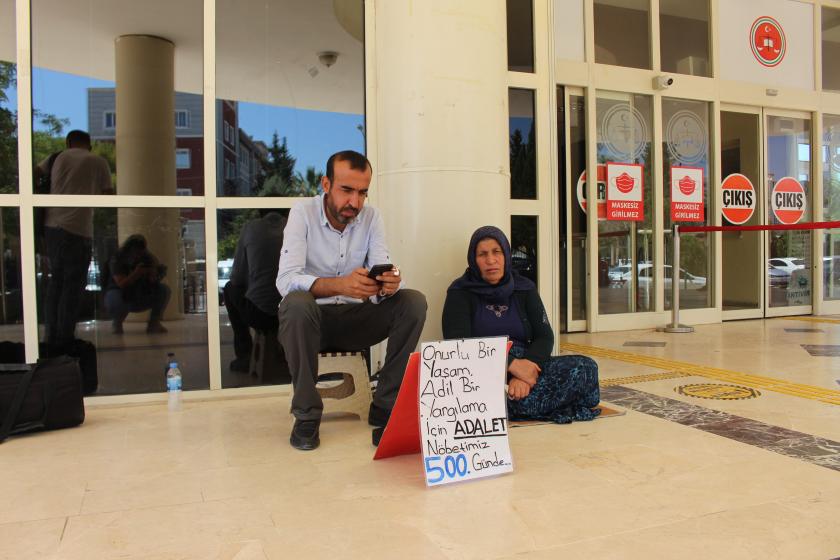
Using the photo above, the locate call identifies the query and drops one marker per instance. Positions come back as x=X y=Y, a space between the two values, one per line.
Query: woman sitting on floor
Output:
x=491 y=299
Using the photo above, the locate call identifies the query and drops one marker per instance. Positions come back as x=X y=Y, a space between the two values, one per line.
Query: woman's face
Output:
x=490 y=260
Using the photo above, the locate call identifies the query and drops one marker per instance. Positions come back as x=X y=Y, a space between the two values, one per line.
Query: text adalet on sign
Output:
x=463 y=413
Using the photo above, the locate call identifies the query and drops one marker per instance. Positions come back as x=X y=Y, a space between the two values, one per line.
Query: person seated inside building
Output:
x=491 y=299
x=251 y=295
x=134 y=285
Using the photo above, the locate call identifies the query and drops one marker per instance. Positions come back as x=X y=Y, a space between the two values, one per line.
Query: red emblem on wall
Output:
x=767 y=41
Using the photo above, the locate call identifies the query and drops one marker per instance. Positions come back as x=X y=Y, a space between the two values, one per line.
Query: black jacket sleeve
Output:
x=542 y=337
x=457 y=315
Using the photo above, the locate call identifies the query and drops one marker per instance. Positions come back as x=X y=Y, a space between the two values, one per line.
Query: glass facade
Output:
x=523 y=144
x=520 y=35
x=788 y=194
x=626 y=246
x=8 y=100
x=831 y=205
x=139 y=97
x=118 y=127
x=686 y=193
x=685 y=37
x=622 y=33
x=282 y=102
x=275 y=101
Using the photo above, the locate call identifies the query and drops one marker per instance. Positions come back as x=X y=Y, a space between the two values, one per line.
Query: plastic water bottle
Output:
x=173 y=383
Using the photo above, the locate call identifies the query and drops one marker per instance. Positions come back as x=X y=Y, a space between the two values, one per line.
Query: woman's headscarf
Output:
x=472 y=281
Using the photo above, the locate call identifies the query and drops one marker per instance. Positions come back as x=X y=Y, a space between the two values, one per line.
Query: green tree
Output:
x=309 y=184
x=8 y=132
x=523 y=165
x=280 y=169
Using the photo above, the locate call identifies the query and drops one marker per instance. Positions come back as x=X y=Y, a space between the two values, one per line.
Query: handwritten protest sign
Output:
x=463 y=417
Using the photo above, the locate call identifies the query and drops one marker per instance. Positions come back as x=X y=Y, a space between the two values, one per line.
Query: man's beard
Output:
x=337 y=214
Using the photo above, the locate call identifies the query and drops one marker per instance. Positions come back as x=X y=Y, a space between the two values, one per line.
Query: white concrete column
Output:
x=441 y=150
x=145 y=90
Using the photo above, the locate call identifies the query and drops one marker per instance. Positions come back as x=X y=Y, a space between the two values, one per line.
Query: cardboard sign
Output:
x=601 y=188
x=687 y=194
x=463 y=413
x=737 y=199
x=788 y=200
x=402 y=434
x=625 y=192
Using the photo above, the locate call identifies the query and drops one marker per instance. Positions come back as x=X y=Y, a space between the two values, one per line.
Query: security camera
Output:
x=663 y=82
x=328 y=58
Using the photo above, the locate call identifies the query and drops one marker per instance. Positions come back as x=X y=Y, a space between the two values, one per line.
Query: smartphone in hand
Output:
x=378 y=269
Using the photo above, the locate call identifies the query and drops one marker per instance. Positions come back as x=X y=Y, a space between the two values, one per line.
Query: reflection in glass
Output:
x=576 y=148
x=523 y=144
x=831 y=206
x=11 y=299
x=686 y=156
x=150 y=65
x=8 y=101
x=139 y=261
x=520 y=35
x=626 y=248
x=684 y=40
x=248 y=255
x=789 y=252
x=523 y=241
x=622 y=33
x=742 y=269
x=830 y=49
x=283 y=104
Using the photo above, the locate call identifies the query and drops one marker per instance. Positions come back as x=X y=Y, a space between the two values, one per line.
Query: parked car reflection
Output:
x=779 y=277
x=622 y=274
x=225 y=268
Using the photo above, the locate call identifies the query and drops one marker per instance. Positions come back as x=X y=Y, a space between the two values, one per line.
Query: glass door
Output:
x=766 y=179
x=742 y=251
x=571 y=157
x=788 y=200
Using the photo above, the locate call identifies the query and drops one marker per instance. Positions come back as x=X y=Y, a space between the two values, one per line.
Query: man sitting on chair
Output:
x=329 y=302
x=251 y=297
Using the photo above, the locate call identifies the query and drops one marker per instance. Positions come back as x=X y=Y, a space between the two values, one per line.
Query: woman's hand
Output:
x=525 y=370
x=518 y=389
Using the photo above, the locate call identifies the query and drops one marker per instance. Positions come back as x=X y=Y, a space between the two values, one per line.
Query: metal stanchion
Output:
x=675 y=326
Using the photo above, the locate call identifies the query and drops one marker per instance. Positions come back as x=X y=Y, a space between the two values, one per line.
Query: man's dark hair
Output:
x=356 y=160
x=132 y=243
x=77 y=138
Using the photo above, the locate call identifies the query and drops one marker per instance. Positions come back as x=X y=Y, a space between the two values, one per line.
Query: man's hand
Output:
x=389 y=282
x=358 y=285
x=518 y=389
x=525 y=370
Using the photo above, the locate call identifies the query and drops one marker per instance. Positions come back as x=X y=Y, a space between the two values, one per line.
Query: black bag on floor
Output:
x=44 y=396
x=83 y=351
x=12 y=352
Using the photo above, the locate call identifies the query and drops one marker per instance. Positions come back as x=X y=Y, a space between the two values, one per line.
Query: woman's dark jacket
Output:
x=460 y=308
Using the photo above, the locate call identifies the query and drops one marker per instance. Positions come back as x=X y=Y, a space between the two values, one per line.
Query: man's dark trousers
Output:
x=69 y=256
x=244 y=314
x=307 y=328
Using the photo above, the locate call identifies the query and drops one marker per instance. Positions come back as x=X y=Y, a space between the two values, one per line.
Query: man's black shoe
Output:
x=240 y=364
x=376 y=436
x=378 y=416
x=305 y=435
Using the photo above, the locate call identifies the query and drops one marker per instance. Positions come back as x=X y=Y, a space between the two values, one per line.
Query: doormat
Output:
x=606 y=412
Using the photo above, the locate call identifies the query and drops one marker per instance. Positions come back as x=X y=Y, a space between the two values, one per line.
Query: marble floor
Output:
x=681 y=475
